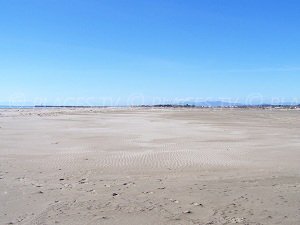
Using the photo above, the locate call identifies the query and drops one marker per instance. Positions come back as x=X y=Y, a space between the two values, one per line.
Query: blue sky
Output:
x=135 y=51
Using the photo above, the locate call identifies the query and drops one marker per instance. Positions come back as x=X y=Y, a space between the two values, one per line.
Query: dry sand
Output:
x=149 y=166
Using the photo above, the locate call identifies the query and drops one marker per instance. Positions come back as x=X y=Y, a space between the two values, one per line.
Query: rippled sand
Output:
x=149 y=166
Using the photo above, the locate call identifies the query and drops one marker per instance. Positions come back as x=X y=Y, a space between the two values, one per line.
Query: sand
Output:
x=149 y=166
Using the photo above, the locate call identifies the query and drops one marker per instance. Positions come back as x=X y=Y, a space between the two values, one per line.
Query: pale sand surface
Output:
x=164 y=166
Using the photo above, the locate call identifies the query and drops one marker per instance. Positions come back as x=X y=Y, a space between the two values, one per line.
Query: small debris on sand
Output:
x=187 y=212
x=161 y=188
x=197 y=204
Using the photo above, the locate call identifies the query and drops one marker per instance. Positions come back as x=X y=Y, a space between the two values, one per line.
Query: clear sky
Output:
x=145 y=51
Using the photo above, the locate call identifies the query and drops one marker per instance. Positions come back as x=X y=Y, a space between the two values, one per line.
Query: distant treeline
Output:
x=263 y=106
x=168 y=106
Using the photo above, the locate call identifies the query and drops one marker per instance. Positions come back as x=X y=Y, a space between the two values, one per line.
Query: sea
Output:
x=15 y=107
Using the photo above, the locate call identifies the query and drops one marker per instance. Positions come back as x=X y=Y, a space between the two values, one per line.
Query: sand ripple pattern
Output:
x=165 y=159
x=156 y=159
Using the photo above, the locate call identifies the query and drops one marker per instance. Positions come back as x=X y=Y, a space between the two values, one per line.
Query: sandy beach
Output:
x=136 y=166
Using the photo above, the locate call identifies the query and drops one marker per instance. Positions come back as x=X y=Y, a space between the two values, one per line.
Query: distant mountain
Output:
x=211 y=104
x=235 y=104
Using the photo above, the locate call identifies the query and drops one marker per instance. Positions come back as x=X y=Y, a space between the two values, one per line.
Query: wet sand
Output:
x=149 y=166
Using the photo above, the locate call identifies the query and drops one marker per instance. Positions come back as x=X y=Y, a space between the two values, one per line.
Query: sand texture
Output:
x=149 y=166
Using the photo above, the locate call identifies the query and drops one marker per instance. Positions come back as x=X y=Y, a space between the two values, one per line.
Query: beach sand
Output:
x=138 y=166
